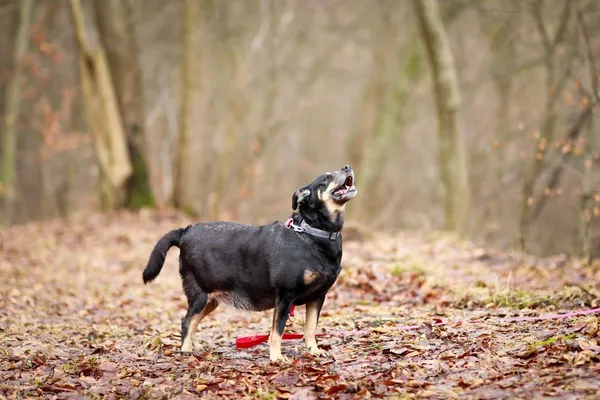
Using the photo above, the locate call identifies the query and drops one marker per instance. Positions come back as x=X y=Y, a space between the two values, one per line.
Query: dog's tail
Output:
x=159 y=253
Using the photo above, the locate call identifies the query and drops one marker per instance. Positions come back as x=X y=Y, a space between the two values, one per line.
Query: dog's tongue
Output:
x=342 y=190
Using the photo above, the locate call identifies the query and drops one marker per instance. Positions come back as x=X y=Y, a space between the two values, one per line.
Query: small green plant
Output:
x=68 y=367
x=399 y=269
x=146 y=393
x=396 y=270
x=553 y=339
x=264 y=395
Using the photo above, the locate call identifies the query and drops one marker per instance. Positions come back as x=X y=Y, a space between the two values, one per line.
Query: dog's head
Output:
x=322 y=203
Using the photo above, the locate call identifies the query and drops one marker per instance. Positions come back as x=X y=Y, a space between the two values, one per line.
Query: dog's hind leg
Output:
x=199 y=306
x=187 y=331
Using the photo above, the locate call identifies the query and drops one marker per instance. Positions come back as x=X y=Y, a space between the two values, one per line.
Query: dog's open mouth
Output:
x=345 y=191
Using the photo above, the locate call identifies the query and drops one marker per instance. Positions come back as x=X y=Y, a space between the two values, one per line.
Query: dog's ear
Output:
x=299 y=196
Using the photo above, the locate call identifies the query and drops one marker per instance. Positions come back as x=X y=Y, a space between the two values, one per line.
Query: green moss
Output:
x=545 y=342
x=68 y=367
x=520 y=299
x=264 y=395
x=376 y=323
x=398 y=269
x=139 y=194
x=553 y=339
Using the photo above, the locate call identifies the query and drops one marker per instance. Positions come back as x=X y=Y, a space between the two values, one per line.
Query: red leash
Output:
x=245 y=342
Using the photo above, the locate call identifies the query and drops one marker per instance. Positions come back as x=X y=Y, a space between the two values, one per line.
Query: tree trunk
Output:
x=11 y=113
x=233 y=121
x=554 y=85
x=452 y=152
x=388 y=129
x=103 y=112
x=118 y=37
x=268 y=129
x=370 y=111
x=589 y=212
x=502 y=47
x=587 y=195
x=375 y=101
x=227 y=153
x=180 y=197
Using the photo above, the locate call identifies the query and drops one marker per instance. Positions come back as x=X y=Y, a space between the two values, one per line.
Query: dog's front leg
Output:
x=283 y=303
x=313 y=310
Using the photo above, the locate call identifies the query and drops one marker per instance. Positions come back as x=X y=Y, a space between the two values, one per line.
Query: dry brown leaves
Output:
x=77 y=321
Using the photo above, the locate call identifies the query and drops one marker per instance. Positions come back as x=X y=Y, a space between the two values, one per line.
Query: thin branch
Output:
x=558 y=170
x=265 y=25
x=8 y=9
x=550 y=45
x=564 y=23
x=536 y=12
x=590 y=55
x=512 y=70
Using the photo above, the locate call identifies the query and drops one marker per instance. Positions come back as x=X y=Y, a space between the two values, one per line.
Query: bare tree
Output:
x=116 y=28
x=452 y=154
x=11 y=112
x=555 y=82
x=587 y=192
x=375 y=90
x=103 y=111
x=233 y=119
x=188 y=72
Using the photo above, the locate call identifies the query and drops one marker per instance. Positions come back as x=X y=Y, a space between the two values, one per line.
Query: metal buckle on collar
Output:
x=290 y=224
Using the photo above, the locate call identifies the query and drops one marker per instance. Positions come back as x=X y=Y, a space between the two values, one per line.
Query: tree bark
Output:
x=389 y=128
x=118 y=38
x=226 y=155
x=452 y=154
x=103 y=112
x=233 y=121
x=587 y=196
x=370 y=111
x=554 y=86
x=588 y=209
x=180 y=194
x=11 y=113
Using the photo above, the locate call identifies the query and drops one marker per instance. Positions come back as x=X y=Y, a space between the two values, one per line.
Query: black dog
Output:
x=257 y=268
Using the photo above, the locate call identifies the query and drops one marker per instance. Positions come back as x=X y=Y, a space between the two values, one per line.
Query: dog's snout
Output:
x=346 y=168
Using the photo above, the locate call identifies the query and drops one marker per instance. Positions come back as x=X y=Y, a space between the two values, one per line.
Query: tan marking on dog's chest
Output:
x=310 y=276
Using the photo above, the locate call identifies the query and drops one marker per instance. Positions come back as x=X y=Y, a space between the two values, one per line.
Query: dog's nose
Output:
x=346 y=168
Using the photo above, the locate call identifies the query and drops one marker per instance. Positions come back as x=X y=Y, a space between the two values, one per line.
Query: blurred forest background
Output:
x=474 y=116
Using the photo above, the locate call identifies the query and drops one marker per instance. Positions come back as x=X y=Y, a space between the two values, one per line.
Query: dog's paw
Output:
x=187 y=347
x=317 y=352
x=280 y=359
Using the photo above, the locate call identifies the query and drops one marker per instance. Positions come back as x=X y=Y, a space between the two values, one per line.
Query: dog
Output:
x=257 y=268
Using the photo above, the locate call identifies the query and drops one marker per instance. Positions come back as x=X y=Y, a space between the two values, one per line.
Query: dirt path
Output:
x=77 y=321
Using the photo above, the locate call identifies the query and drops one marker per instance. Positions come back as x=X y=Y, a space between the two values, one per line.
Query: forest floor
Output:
x=411 y=316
